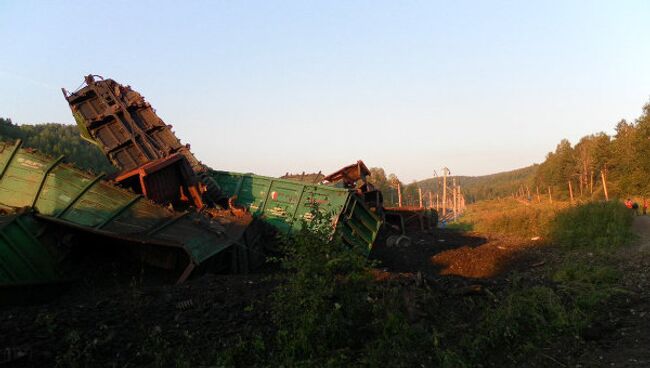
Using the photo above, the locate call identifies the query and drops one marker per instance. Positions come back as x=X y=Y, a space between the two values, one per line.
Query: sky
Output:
x=288 y=86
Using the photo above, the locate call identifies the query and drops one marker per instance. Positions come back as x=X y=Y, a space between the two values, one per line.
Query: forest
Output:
x=55 y=140
x=621 y=159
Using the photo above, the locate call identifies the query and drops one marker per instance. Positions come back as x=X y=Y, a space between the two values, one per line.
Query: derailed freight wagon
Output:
x=286 y=203
x=183 y=241
x=31 y=252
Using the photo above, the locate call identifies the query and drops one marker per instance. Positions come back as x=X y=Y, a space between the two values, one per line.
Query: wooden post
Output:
x=550 y=198
x=399 y=194
x=539 y=200
x=570 y=191
x=455 y=198
x=420 y=195
x=445 y=171
x=604 y=178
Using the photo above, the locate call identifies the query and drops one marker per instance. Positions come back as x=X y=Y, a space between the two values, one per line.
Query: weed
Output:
x=323 y=298
x=511 y=218
x=596 y=225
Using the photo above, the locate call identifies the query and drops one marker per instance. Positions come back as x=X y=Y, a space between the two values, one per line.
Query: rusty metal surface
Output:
x=406 y=219
x=124 y=125
x=126 y=128
x=350 y=175
x=166 y=181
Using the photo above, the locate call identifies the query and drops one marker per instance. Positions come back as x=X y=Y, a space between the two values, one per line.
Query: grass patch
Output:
x=507 y=217
x=520 y=321
x=597 y=225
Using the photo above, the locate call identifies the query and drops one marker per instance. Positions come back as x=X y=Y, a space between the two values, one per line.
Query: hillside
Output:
x=483 y=187
x=55 y=140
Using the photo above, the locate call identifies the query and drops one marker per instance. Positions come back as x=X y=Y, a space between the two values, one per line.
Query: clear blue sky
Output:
x=276 y=86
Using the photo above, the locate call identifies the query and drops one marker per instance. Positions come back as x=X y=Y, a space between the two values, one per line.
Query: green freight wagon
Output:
x=286 y=203
x=30 y=267
x=63 y=194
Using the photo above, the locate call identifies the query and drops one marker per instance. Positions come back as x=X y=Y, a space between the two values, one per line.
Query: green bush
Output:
x=330 y=312
x=596 y=225
x=589 y=284
x=518 y=324
x=323 y=308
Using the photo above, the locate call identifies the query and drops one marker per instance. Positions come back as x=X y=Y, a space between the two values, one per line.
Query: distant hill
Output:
x=491 y=186
x=55 y=140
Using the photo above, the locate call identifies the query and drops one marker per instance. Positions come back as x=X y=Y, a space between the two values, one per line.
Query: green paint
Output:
x=285 y=203
x=24 y=258
x=60 y=192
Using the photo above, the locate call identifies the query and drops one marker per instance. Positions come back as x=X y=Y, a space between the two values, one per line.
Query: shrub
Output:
x=596 y=224
x=523 y=320
x=323 y=307
x=330 y=312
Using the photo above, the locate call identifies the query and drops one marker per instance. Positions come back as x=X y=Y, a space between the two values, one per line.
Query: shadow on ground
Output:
x=455 y=253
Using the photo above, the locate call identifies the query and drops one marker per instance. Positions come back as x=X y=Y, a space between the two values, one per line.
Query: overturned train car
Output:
x=182 y=241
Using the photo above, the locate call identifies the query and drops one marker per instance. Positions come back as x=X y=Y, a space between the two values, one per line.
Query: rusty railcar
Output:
x=151 y=159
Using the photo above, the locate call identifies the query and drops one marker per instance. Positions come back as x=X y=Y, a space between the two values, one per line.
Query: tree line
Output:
x=621 y=159
x=55 y=140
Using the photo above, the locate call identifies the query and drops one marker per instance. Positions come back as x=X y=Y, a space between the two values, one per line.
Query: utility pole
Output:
x=445 y=172
x=420 y=195
x=604 y=178
x=437 y=202
x=455 y=198
x=430 y=200
x=399 y=194
x=460 y=199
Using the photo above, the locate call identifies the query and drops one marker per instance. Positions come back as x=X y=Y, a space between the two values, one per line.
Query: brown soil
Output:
x=134 y=320
x=125 y=317
x=469 y=255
